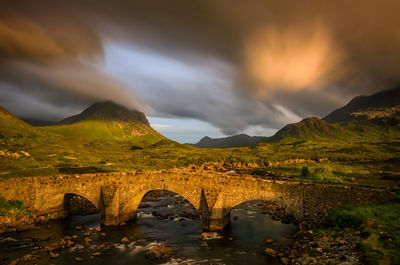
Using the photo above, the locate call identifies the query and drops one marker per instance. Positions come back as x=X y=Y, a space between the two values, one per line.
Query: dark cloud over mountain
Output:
x=230 y=63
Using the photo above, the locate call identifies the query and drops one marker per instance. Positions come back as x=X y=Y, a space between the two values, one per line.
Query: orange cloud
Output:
x=292 y=59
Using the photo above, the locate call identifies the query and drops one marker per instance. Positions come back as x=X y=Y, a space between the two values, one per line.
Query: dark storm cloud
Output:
x=287 y=58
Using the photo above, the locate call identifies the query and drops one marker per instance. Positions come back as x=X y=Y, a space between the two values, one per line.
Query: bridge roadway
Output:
x=213 y=194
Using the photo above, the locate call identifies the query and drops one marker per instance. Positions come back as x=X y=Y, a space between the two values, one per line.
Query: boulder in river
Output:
x=161 y=251
x=124 y=240
x=270 y=252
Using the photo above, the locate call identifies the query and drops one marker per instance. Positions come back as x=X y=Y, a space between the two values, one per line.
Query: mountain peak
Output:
x=384 y=104
x=108 y=111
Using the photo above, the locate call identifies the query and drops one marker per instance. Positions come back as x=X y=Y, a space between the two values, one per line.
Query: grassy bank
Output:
x=380 y=230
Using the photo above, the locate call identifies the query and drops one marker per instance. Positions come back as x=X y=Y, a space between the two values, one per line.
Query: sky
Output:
x=199 y=67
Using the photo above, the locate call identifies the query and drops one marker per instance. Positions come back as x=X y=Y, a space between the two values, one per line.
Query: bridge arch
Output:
x=166 y=190
x=55 y=202
x=75 y=204
x=270 y=207
x=176 y=199
x=131 y=207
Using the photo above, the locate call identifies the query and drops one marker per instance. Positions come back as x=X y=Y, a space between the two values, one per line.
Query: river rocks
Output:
x=161 y=251
x=70 y=243
x=42 y=251
x=124 y=240
x=285 y=260
x=270 y=252
x=210 y=235
x=17 y=222
x=329 y=247
x=269 y=241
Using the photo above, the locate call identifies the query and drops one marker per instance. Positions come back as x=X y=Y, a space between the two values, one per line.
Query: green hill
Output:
x=356 y=130
x=10 y=125
x=8 y=120
x=107 y=120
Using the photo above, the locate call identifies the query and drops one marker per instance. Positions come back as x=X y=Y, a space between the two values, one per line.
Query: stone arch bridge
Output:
x=213 y=194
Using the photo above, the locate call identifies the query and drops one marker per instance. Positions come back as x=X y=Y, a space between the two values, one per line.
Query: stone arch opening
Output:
x=167 y=205
x=75 y=204
x=273 y=209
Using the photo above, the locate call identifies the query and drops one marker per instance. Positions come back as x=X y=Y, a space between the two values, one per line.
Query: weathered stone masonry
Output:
x=213 y=194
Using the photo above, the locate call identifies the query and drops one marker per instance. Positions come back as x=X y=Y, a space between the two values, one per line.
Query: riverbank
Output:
x=14 y=222
x=353 y=235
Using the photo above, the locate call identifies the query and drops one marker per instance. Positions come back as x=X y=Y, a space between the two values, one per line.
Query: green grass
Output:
x=11 y=207
x=319 y=174
x=372 y=163
x=381 y=224
x=11 y=204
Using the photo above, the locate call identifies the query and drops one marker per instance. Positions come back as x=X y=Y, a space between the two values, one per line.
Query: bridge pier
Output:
x=214 y=218
x=109 y=206
x=217 y=220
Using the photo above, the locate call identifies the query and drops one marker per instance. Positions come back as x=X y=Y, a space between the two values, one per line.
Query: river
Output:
x=165 y=218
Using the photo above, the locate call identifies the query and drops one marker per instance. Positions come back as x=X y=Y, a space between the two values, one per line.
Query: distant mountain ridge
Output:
x=384 y=104
x=377 y=114
x=239 y=140
x=37 y=122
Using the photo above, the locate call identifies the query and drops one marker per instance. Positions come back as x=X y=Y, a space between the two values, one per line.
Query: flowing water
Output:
x=169 y=219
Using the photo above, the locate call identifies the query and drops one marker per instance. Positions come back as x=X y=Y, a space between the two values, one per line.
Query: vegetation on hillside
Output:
x=364 y=151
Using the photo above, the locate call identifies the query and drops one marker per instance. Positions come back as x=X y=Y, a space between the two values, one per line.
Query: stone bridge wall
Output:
x=213 y=194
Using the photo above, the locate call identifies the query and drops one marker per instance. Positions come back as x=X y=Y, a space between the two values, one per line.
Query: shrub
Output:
x=259 y=171
x=11 y=205
x=319 y=174
x=305 y=172
x=344 y=217
x=135 y=147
